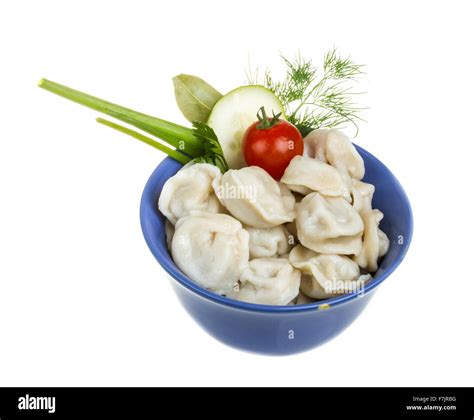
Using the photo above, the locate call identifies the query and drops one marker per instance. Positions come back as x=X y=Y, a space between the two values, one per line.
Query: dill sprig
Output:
x=314 y=99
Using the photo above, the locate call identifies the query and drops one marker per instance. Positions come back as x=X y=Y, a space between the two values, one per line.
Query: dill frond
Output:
x=314 y=101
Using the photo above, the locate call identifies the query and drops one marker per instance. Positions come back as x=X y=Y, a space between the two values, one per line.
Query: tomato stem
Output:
x=266 y=122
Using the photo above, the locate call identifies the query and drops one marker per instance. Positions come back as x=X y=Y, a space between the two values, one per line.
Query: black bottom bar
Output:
x=134 y=403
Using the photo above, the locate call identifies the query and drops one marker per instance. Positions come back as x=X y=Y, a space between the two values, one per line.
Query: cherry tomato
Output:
x=271 y=143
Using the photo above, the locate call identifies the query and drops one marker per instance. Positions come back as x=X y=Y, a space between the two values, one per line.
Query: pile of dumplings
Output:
x=313 y=235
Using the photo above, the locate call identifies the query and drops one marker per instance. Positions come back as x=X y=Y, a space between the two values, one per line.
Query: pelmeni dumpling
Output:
x=362 y=194
x=268 y=242
x=315 y=175
x=375 y=243
x=211 y=249
x=315 y=144
x=251 y=195
x=267 y=281
x=334 y=147
x=326 y=275
x=329 y=225
x=190 y=189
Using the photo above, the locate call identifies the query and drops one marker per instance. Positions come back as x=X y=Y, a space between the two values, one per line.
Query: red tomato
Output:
x=271 y=143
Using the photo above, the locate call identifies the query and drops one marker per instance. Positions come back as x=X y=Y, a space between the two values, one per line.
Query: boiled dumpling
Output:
x=268 y=242
x=252 y=196
x=329 y=225
x=315 y=144
x=362 y=194
x=211 y=249
x=190 y=189
x=306 y=174
x=375 y=243
x=334 y=147
x=267 y=281
x=326 y=275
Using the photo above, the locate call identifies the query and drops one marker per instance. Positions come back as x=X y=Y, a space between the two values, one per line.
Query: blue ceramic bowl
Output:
x=280 y=330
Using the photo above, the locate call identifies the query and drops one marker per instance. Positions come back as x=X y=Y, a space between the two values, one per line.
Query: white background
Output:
x=82 y=300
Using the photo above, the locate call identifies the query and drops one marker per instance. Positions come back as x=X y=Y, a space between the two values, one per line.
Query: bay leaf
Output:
x=195 y=97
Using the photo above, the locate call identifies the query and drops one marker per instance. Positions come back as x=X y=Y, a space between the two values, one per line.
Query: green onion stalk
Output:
x=183 y=139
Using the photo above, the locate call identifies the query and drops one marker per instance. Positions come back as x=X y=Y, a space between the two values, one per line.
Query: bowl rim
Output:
x=186 y=282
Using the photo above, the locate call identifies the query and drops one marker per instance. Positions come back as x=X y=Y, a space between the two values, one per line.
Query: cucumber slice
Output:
x=234 y=113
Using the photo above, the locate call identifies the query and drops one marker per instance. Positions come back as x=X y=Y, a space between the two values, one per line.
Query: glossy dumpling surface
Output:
x=334 y=147
x=268 y=281
x=268 y=242
x=252 y=196
x=190 y=189
x=329 y=225
x=362 y=194
x=211 y=249
x=375 y=243
x=305 y=173
x=326 y=275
